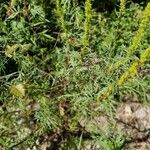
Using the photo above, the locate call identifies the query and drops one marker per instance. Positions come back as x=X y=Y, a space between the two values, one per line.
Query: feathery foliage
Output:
x=47 y=96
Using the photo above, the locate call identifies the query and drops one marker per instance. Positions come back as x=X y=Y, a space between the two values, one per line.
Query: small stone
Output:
x=140 y=113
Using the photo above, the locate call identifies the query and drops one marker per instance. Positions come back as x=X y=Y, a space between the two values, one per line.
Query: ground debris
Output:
x=134 y=120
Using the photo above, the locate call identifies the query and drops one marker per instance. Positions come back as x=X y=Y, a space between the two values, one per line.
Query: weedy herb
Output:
x=47 y=96
x=87 y=25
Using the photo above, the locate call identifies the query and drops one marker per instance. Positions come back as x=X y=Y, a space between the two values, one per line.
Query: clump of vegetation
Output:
x=47 y=94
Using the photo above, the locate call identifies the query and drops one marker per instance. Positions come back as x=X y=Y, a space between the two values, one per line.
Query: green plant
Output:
x=87 y=25
x=47 y=96
x=137 y=38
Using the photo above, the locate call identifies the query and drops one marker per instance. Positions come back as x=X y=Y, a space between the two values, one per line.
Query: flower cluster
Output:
x=136 y=39
x=122 y=6
x=87 y=24
x=60 y=14
x=131 y=72
x=13 y=3
x=140 y=33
